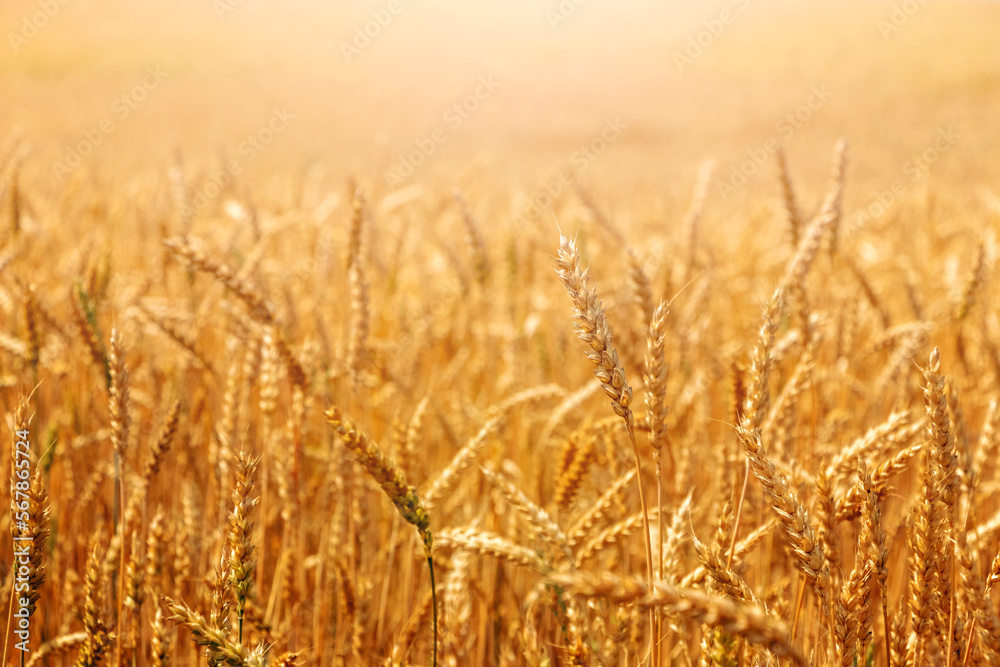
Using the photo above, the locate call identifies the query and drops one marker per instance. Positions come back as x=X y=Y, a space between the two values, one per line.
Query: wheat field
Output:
x=576 y=356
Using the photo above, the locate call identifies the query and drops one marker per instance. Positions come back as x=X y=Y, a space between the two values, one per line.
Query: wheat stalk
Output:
x=594 y=329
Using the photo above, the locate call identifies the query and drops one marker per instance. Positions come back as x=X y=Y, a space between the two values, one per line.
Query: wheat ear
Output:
x=97 y=634
x=594 y=329
x=655 y=380
x=220 y=650
x=118 y=405
x=792 y=514
x=260 y=311
x=744 y=620
x=56 y=646
x=383 y=470
x=241 y=561
x=788 y=193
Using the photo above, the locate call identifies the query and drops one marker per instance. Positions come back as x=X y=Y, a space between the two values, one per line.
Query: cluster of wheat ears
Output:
x=221 y=404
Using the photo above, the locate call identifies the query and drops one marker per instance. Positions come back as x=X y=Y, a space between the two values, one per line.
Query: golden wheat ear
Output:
x=791 y=512
x=241 y=549
x=741 y=619
x=387 y=475
x=594 y=329
x=788 y=195
x=215 y=641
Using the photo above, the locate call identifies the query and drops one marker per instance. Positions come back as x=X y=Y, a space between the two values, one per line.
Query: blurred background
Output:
x=365 y=84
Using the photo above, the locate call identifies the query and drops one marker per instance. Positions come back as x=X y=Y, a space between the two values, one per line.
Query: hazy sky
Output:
x=367 y=81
